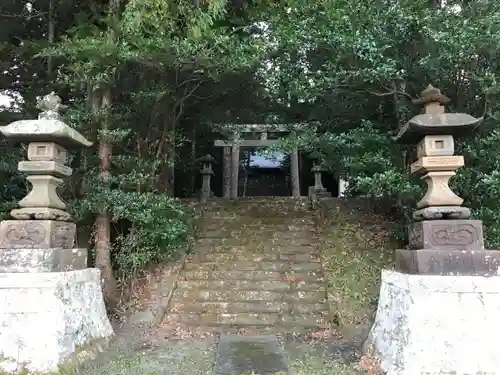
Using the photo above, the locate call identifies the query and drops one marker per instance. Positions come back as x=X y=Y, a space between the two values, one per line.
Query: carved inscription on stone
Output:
x=446 y=234
x=63 y=235
x=454 y=235
x=29 y=235
x=39 y=234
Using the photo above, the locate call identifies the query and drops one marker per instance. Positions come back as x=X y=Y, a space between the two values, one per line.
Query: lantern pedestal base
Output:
x=51 y=319
x=42 y=260
x=319 y=193
x=429 y=324
x=448 y=262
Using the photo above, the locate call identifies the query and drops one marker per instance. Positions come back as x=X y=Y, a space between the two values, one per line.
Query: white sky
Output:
x=5 y=101
x=261 y=162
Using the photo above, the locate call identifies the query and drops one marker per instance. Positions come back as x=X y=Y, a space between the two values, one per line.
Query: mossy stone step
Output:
x=235 y=256
x=262 y=248
x=252 y=319
x=242 y=220
x=268 y=233
x=278 y=204
x=267 y=215
x=254 y=241
x=306 y=276
x=236 y=265
x=269 y=285
x=246 y=256
x=277 y=307
x=213 y=307
x=279 y=266
x=259 y=226
x=302 y=297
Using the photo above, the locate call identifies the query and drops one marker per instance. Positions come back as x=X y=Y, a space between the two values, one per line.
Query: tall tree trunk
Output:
x=226 y=172
x=102 y=223
x=194 y=172
x=50 y=39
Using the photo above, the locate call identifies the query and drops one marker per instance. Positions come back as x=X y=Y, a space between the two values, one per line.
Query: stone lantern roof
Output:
x=434 y=121
x=205 y=159
x=47 y=128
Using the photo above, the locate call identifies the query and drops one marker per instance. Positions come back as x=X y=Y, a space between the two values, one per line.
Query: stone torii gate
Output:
x=231 y=158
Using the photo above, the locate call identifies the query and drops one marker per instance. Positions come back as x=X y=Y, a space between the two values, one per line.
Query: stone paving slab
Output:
x=260 y=355
x=175 y=358
x=200 y=358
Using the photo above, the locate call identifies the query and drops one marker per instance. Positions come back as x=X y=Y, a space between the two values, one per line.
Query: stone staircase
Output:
x=255 y=268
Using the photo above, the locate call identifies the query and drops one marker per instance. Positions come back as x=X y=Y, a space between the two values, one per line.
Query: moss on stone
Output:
x=355 y=246
x=70 y=366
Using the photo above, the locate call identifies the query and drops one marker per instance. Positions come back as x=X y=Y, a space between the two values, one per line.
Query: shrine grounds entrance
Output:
x=250 y=138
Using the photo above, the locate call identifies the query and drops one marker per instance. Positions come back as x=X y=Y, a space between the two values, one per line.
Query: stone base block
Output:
x=437 y=325
x=446 y=234
x=323 y=194
x=36 y=234
x=319 y=193
x=47 y=318
x=42 y=260
x=449 y=262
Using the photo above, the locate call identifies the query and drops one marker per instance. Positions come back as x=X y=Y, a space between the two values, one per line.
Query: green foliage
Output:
x=160 y=228
x=154 y=56
x=353 y=67
x=347 y=70
x=355 y=246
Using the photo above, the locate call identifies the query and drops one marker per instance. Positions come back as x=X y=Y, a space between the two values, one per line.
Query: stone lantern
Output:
x=441 y=221
x=319 y=189
x=207 y=172
x=438 y=309
x=52 y=302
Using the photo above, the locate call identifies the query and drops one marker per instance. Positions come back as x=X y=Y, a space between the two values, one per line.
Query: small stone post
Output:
x=438 y=308
x=52 y=303
x=320 y=190
x=235 y=165
x=294 y=172
x=207 y=173
x=226 y=172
